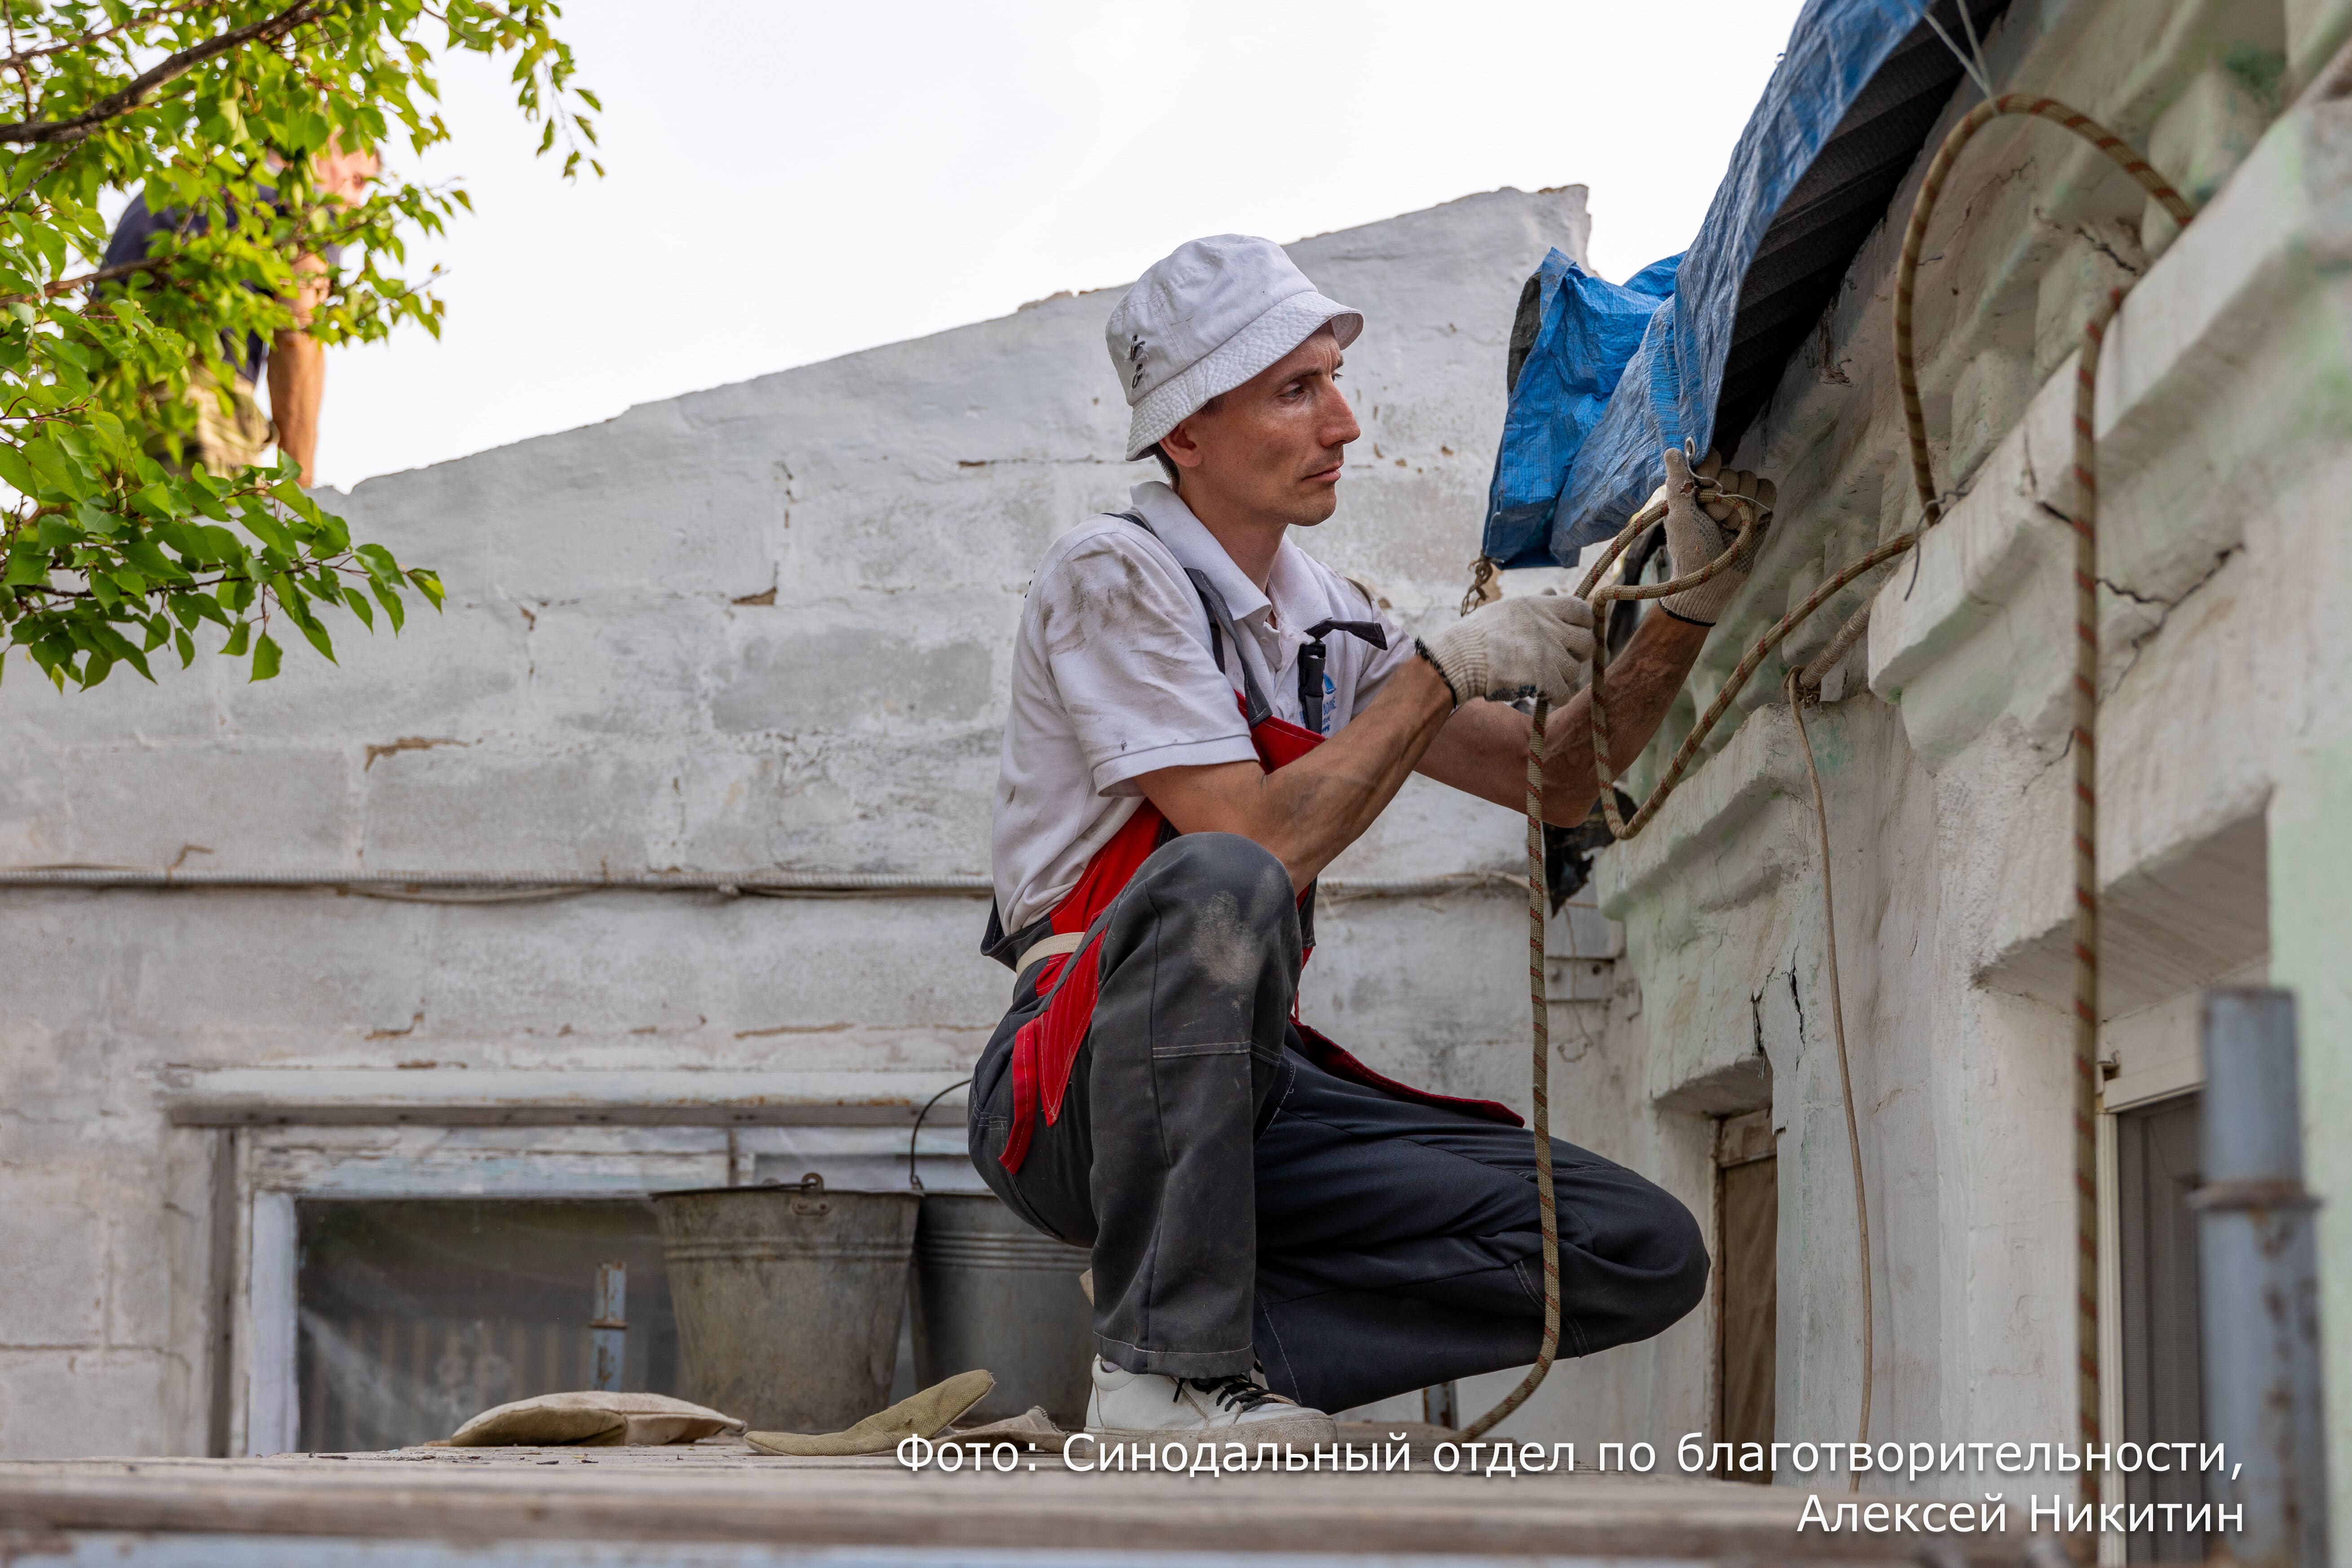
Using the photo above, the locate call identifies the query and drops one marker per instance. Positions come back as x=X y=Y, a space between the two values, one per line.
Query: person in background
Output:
x=232 y=431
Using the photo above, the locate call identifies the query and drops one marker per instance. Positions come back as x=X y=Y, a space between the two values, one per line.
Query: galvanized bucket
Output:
x=788 y=1299
x=991 y=1293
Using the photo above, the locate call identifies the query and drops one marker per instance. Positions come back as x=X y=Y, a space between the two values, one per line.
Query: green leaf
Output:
x=390 y=599
x=360 y=606
x=185 y=646
x=316 y=635
x=115 y=646
x=238 y=635
x=266 y=527
x=427 y=585
x=158 y=502
x=28 y=565
x=218 y=544
x=265 y=658
x=54 y=471
x=17 y=472
x=141 y=551
x=378 y=562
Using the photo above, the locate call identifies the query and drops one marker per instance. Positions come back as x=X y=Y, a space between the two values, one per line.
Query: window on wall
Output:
x=2163 y=1370
x=1748 y=1230
x=416 y=1314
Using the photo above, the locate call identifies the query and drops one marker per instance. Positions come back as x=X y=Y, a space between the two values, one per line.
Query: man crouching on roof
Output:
x=1203 y=715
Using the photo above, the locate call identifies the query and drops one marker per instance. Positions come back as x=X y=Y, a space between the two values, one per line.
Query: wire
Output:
x=1971 y=63
x=915 y=1182
x=1845 y=1071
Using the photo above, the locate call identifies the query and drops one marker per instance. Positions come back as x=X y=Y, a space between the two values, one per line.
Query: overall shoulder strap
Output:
x=1256 y=709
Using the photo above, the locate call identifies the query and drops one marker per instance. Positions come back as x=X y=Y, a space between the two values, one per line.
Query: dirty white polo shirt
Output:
x=1112 y=678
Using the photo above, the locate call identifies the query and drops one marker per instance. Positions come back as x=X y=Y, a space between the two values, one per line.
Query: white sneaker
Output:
x=1145 y=1406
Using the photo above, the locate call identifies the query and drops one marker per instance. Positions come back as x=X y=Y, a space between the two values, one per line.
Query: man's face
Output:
x=344 y=176
x=1273 y=446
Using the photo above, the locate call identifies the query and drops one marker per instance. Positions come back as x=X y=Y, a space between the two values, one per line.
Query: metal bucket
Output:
x=788 y=1299
x=991 y=1293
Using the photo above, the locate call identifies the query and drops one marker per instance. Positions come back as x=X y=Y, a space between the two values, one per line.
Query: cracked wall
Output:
x=763 y=627
x=2225 y=427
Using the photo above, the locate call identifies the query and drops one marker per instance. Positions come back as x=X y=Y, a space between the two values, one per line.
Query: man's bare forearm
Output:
x=297 y=371
x=1484 y=751
x=298 y=379
x=1308 y=811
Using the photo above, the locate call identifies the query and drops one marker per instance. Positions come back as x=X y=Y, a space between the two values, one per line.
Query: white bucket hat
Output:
x=1205 y=319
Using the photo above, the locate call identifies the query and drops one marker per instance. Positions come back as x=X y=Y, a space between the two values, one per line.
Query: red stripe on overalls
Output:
x=1046 y=1047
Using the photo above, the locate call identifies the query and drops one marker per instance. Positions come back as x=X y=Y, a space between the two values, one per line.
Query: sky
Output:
x=788 y=182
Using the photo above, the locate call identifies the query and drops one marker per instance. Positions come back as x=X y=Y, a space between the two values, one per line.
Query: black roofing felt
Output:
x=1812 y=240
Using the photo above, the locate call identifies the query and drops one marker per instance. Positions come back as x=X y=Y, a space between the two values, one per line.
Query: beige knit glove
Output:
x=1535 y=647
x=1697 y=532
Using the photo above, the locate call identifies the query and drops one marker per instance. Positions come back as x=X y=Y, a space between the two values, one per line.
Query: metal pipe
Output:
x=2258 y=1264
x=608 y=1327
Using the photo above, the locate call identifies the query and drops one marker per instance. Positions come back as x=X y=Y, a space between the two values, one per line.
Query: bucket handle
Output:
x=914 y=1182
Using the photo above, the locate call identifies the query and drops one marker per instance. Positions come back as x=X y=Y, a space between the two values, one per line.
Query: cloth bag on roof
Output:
x=595 y=1418
x=924 y=1414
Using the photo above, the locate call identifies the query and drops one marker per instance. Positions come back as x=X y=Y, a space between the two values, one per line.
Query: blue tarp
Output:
x=1619 y=373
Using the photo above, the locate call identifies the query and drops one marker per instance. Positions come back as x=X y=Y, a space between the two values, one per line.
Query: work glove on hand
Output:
x=1535 y=647
x=1697 y=532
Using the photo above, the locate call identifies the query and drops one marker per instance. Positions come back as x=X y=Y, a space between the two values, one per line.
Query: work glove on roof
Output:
x=1699 y=531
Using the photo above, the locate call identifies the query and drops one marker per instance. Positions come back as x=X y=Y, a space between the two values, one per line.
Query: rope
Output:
x=1845 y=1071
x=1915 y=240
x=1547 y=1207
x=1483 y=589
x=2083 y=739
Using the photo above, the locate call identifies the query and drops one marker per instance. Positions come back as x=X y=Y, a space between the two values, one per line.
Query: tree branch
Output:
x=170 y=69
x=67 y=285
x=17 y=59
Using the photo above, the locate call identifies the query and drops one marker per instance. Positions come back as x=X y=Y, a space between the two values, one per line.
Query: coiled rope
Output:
x=2083 y=740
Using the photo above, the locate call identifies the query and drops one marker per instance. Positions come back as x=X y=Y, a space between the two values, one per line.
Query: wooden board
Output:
x=718 y=1493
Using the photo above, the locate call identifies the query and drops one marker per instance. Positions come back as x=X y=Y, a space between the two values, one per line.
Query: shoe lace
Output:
x=1237 y=1392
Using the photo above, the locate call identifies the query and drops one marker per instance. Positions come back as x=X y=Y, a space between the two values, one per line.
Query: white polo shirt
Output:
x=1112 y=678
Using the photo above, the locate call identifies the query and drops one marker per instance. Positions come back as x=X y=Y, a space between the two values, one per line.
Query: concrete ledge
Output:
x=492 y=887
x=442 y=1097
x=1997 y=565
x=1759 y=765
x=2165 y=928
